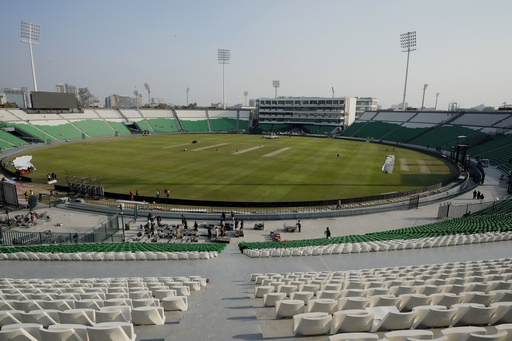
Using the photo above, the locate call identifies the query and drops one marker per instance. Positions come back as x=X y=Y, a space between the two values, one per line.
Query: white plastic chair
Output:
x=350 y=321
x=16 y=335
x=270 y=299
x=79 y=329
x=107 y=332
x=500 y=336
x=86 y=317
x=404 y=335
x=59 y=335
x=289 y=308
x=434 y=317
x=179 y=303
x=457 y=333
x=395 y=321
x=42 y=317
x=470 y=314
x=148 y=316
x=31 y=328
x=311 y=324
x=10 y=317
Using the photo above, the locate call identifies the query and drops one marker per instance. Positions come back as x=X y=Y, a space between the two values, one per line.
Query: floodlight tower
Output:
x=437 y=95
x=423 y=100
x=332 y=91
x=223 y=57
x=136 y=93
x=245 y=95
x=146 y=85
x=408 y=44
x=275 y=84
x=30 y=34
x=187 y=95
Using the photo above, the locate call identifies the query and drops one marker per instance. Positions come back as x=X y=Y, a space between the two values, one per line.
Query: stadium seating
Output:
x=457 y=320
x=72 y=321
x=193 y=120
x=11 y=139
x=164 y=125
x=112 y=251
x=31 y=130
x=491 y=224
x=65 y=131
x=120 y=127
x=95 y=128
x=223 y=124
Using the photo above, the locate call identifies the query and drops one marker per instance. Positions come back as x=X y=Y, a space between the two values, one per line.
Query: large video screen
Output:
x=53 y=100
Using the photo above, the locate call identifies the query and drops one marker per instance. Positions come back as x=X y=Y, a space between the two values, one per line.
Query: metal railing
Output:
x=103 y=233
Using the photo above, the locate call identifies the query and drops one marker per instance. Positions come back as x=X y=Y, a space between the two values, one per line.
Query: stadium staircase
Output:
x=146 y=120
x=208 y=121
x=498 y=122
x=177 y=119
x=108 y=123
x=122 y=115
x=35 y=132
x=74 y=125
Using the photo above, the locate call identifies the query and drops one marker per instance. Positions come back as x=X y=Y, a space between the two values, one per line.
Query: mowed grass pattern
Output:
x=212 y=169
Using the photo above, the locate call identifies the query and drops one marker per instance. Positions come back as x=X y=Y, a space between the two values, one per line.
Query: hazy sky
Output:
x=464 y=48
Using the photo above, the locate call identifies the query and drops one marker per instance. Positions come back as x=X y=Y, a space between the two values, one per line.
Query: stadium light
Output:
x=136 y=93
x=146 y=85
x=188 y=89
x=223 y=57
x=30 y=34
x=437 y=95
x=408 y=44
x=275 y=84
x=332 y=91
x=245 y=94
x=423 y=100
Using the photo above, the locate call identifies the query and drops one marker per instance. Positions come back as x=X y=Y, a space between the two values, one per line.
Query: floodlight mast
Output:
x=275 y=84
x=435 y=107
x=136 y=93
x=245 y=95
x=30 y=34
x=408 y=44
x=423 y=100
x=187 y=95
x=223 y=57
x=146 y=85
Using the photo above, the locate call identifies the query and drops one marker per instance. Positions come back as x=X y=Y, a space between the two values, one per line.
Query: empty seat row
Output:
x=314 y=322
x=108 y=256
x=119 y=331
x=378 y=246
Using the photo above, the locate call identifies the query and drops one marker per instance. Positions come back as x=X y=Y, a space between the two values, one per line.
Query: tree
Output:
x=84 y=97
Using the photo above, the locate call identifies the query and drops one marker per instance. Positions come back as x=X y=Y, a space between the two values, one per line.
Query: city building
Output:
x=364 y=104
x=117 y=101
x=316 y=111
x=65 y=88
x=19 y=96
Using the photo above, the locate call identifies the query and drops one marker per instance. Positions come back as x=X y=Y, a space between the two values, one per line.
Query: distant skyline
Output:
x=114 y=47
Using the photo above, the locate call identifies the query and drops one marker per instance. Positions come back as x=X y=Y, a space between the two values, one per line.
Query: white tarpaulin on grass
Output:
x=389 y=163
x=23 y=162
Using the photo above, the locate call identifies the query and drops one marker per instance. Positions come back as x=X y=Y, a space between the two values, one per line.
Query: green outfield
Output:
x=239 y=167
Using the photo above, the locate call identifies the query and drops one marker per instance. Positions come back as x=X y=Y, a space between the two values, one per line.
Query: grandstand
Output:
x=194 y=121
x=431 y=129
x=20 y=127
x=460 y=259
